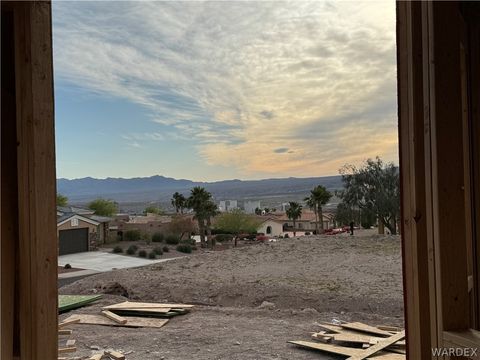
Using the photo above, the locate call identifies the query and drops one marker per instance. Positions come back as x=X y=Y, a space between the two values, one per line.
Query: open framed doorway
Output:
x=440 y=275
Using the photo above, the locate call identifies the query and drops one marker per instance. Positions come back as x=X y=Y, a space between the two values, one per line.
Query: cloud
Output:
x=242 y=80
x=281 y=150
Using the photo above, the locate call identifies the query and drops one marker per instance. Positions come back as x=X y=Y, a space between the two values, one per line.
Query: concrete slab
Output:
x=102 y=261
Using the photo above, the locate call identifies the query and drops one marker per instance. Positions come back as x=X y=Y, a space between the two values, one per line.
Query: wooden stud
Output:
x=67 y=350
x=65 y=332
x=114 y=317
x=68 y=322
x=378 y=347
x=115 y=355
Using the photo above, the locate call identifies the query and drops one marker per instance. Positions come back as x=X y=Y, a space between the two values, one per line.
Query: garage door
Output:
x=73 y=241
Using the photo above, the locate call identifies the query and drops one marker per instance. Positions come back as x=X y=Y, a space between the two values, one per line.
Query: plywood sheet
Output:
x=137 y=305
x=358 y=326
x=132 y=321
x=377 y=347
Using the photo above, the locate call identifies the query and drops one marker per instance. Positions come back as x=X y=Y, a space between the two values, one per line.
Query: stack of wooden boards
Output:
x=357 y=341
x=66 y=345
x=134 y=314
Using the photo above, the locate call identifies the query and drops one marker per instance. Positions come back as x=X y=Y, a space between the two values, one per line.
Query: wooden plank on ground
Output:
x=143 y=310
x=96 y=357
x=67 y=350
x=358 y=326
x=332 y=349
x=64 y=332
x=138 y=305
x=115 y=355
x=70 y=343
x=132 y=321
x=377 y=347
x=117 y=318
x=67 y=322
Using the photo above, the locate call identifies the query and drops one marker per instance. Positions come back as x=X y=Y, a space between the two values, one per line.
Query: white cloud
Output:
x=245 y=78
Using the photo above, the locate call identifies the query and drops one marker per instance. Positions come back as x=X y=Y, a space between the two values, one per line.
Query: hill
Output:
x=160 y=188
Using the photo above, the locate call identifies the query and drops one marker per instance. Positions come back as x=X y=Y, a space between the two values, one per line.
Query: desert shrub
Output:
x=286 y=236
x=166 y=249
x=158 y=250
x=172 y=239
x=132 y=235
x=184 y=248
x=152 y=255
x=188 y=241
x=223 y=237
x=157 y=237
x=132 y=249
x=307 y=233
x=142 y=253
x=67 y=266
x=117 y=249
x=147 y=238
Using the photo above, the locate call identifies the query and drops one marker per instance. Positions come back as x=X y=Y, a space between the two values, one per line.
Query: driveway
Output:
x=100 y=261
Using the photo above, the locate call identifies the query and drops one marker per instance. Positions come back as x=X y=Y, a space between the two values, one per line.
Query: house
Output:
x=80 y=230
x=278 y=224
x=146 y=224
x=271 y=226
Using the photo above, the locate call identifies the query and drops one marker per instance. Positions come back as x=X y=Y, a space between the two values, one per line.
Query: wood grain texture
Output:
x=381 y=345
x=132 y=321
x=37 y=265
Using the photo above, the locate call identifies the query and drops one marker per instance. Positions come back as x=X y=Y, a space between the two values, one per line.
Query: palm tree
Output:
x=311 y=203
x=211 y=210
x=198 y=201
x=320 y=196
x=294 y=212
x=178 y=202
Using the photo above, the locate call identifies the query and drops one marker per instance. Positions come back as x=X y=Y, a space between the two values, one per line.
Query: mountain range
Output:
x=160 y=188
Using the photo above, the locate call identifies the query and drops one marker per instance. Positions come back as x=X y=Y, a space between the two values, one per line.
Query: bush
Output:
x=157 y=237
x=307 y=233
x=223 y=237
x=67 y=266
x=188 y=241
x=147 y=238
x=152 y=255
x=286 y=236
x=184 y=248
x=158 y=250
x=172 y=240
x=117 y=249
x=132 y=249
x=166 y=249
x=132 y=235
x=142 y=253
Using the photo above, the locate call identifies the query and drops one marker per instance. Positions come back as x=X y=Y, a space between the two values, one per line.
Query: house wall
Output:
x=277 y=228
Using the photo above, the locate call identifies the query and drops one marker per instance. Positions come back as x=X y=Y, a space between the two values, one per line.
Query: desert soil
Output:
x=251 y=300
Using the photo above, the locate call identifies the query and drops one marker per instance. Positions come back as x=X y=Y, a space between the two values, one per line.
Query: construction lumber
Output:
x=381 y=345
x=96 y=357
x=64 y=332
x=115 y=355
x=114 y=317
x=132 y=321
x=365 y=328
x=138 y=305
x=389 y=328
x=67 y=350
x=67 y=322
x=332 y=349
x=70 y=302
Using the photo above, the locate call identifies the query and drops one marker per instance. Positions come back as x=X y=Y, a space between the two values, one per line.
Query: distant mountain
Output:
x=160 y=188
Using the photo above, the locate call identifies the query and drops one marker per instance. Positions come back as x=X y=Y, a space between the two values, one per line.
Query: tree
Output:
x=153 y=210
x=62 y=200
x=198 y=201
x=179 y=202
x=211 y=210
x=319 y=196
x=182 y=226
x=237 y=222
x=258 y=211
x=103 y=207
x=373 y=188
x=294 y=212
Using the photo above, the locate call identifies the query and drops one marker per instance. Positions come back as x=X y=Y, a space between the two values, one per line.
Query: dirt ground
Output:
x=252 y=299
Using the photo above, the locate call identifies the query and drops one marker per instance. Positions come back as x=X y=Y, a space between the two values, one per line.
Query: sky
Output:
x=223 y=90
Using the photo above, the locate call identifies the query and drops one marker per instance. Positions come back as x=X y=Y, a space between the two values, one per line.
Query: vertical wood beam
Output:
x=448 y=199
x=37 y=259
x=9 y=197
x=418 y=274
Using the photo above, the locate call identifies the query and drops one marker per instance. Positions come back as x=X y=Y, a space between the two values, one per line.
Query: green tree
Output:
x=294 y=212
x=62 y=200
x=179 y=202
x=258 y=211
x=373 y=188
x=182 y=226
x=103 y=207
x=237 y=222
x=319 y=197
x=153 y=210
